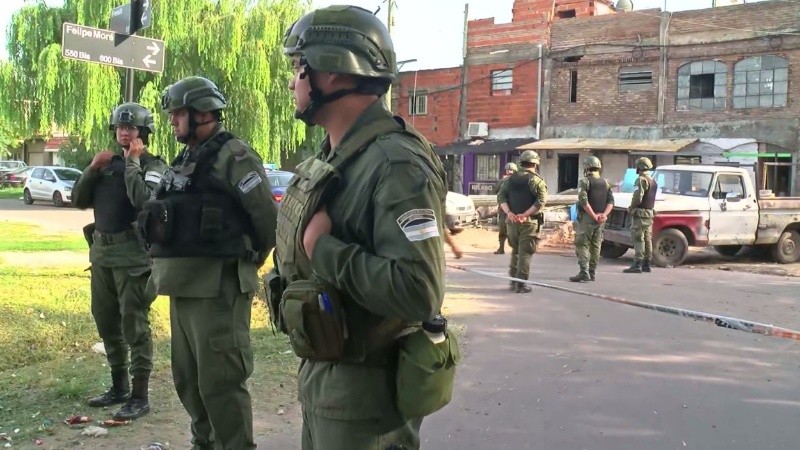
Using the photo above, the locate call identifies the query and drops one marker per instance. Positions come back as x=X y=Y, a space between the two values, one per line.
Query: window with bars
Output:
x=418 y=103
x=702 y=85
x=502 y=82
x=487 y=168
x=761 y=82
x=635 y=78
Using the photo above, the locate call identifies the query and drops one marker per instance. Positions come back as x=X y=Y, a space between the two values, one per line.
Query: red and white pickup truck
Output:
x=702 y=206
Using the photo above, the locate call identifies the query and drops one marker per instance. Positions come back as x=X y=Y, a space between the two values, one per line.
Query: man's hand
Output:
x=101 y=159
x=320 y=224
x=511 y=217
x=135 y=149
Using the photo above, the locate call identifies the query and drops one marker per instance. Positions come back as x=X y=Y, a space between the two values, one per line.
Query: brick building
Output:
x=705 y=86
x=478 y=136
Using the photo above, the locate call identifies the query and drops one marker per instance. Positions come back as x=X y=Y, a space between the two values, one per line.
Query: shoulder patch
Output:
x=419 y=224
x=249 y=181
x=152 y=176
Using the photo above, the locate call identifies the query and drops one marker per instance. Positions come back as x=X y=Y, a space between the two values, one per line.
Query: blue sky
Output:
x=429 y=31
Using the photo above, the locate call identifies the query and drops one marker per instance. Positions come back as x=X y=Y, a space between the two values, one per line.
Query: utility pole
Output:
x=390 y=26
x=458 y=165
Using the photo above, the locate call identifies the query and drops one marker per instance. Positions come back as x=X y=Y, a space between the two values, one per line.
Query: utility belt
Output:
x=314 y=319
x=106 y=239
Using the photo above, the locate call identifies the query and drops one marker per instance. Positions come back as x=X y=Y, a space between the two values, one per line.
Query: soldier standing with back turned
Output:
x=501 y=216
x=642 y=213
x=522 y=198
x=210 y=226
x=595 y=202
x=116 y=185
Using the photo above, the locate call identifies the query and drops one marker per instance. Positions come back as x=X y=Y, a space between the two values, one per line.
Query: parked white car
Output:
x=50 y=183
x=460 y=210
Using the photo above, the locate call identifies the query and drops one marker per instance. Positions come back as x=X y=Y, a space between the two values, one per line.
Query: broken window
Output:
x=566 y=14
x=702 y=85
x=573 y=86
x=761 y=82
x=635 y=78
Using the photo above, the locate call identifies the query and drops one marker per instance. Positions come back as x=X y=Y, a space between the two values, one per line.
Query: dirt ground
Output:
x=560 y=238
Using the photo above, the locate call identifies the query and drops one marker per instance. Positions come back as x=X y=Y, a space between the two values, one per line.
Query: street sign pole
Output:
x=129 y=72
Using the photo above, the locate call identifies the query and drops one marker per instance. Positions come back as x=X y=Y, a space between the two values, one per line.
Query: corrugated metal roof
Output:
x=482 y=147
x=657 y=145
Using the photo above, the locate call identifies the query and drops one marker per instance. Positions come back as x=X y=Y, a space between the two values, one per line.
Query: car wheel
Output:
x=26 y=197
x=787 y=249
x=58 y=200
x=728 y=250
x=612 y=250
x=670 y=248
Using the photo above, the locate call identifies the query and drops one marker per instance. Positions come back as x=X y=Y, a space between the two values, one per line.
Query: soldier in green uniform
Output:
x=522 y=198
x=641 y=211
x=362 y=222
x=501 y=216
x=210 y=227
x=595 y=202
x=116 y=185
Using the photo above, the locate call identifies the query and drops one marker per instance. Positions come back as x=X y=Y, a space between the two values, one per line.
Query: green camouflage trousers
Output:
x=642 y=236
x=120 y=307
x=211 y=362
x=322 y=433
x=588 y=239
x=501 y=224
x=523 y=239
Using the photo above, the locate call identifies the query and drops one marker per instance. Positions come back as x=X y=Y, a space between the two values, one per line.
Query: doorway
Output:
x=567 y=172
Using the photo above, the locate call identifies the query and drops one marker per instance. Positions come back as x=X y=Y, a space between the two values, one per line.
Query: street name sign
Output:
x=106 y=47
x=131 y=17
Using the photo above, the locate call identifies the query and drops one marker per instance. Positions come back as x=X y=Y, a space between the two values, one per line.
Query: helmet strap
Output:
x=318 y=99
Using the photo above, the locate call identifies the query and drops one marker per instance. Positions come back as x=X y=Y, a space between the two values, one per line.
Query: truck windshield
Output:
x=683 y=182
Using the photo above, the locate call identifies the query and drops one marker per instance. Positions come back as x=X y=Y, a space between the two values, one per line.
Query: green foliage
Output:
x=235 y=43
x=24 y=237
x=74 y=153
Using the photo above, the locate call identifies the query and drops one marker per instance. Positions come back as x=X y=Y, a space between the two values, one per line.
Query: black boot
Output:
x=646 y=266
x=137 y=405
x=591 y=273
x=636 y=267
x=119 y=392
x=501 y=250
x=582 y=276
x=523 y=288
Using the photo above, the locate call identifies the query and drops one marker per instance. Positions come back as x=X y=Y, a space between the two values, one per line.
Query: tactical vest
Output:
x=520 y=197
x=598 y=194
x=194 y=214
x=314 y=184
x=649 y=197
x=113 y=210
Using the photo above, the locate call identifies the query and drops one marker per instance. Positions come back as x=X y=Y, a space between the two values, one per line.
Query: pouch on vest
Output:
x=88 y=234
x=155 y=222
x=273 y=288
x=314 y=320
x=425 y=374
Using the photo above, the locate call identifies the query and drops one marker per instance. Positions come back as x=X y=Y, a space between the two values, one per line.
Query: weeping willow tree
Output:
x=235 y=43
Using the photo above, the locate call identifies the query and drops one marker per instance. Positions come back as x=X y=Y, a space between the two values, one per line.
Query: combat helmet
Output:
x=529 y=156
x=643 y=164
x=512 y=167
x=592 y=162
x=342 y=39
x=198 y=93
x=132 y=114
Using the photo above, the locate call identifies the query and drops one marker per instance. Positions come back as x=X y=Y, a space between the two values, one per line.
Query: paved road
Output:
x=45 y=214
x=551 y=370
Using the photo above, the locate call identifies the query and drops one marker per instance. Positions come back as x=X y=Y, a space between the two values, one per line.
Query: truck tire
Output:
x=728 y=250
x=612 y=250
x=670 y=248
x=787 y=249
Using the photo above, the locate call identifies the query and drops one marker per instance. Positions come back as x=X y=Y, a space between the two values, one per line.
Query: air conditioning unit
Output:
x=478 y=129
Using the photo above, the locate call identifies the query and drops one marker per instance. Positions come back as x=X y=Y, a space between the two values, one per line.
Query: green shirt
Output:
x=385 y=254
x=536 y=185
x=201 y=276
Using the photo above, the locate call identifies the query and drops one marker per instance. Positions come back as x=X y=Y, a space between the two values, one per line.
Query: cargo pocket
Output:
x=425 y=374
x=232 y=358
x=313 y=319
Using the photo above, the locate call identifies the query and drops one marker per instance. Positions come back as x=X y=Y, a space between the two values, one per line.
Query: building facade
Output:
x=721 y=78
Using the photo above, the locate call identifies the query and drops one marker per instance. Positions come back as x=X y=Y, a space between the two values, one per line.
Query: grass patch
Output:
x=47 y=368
x=13 y=193
x=25 y=237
